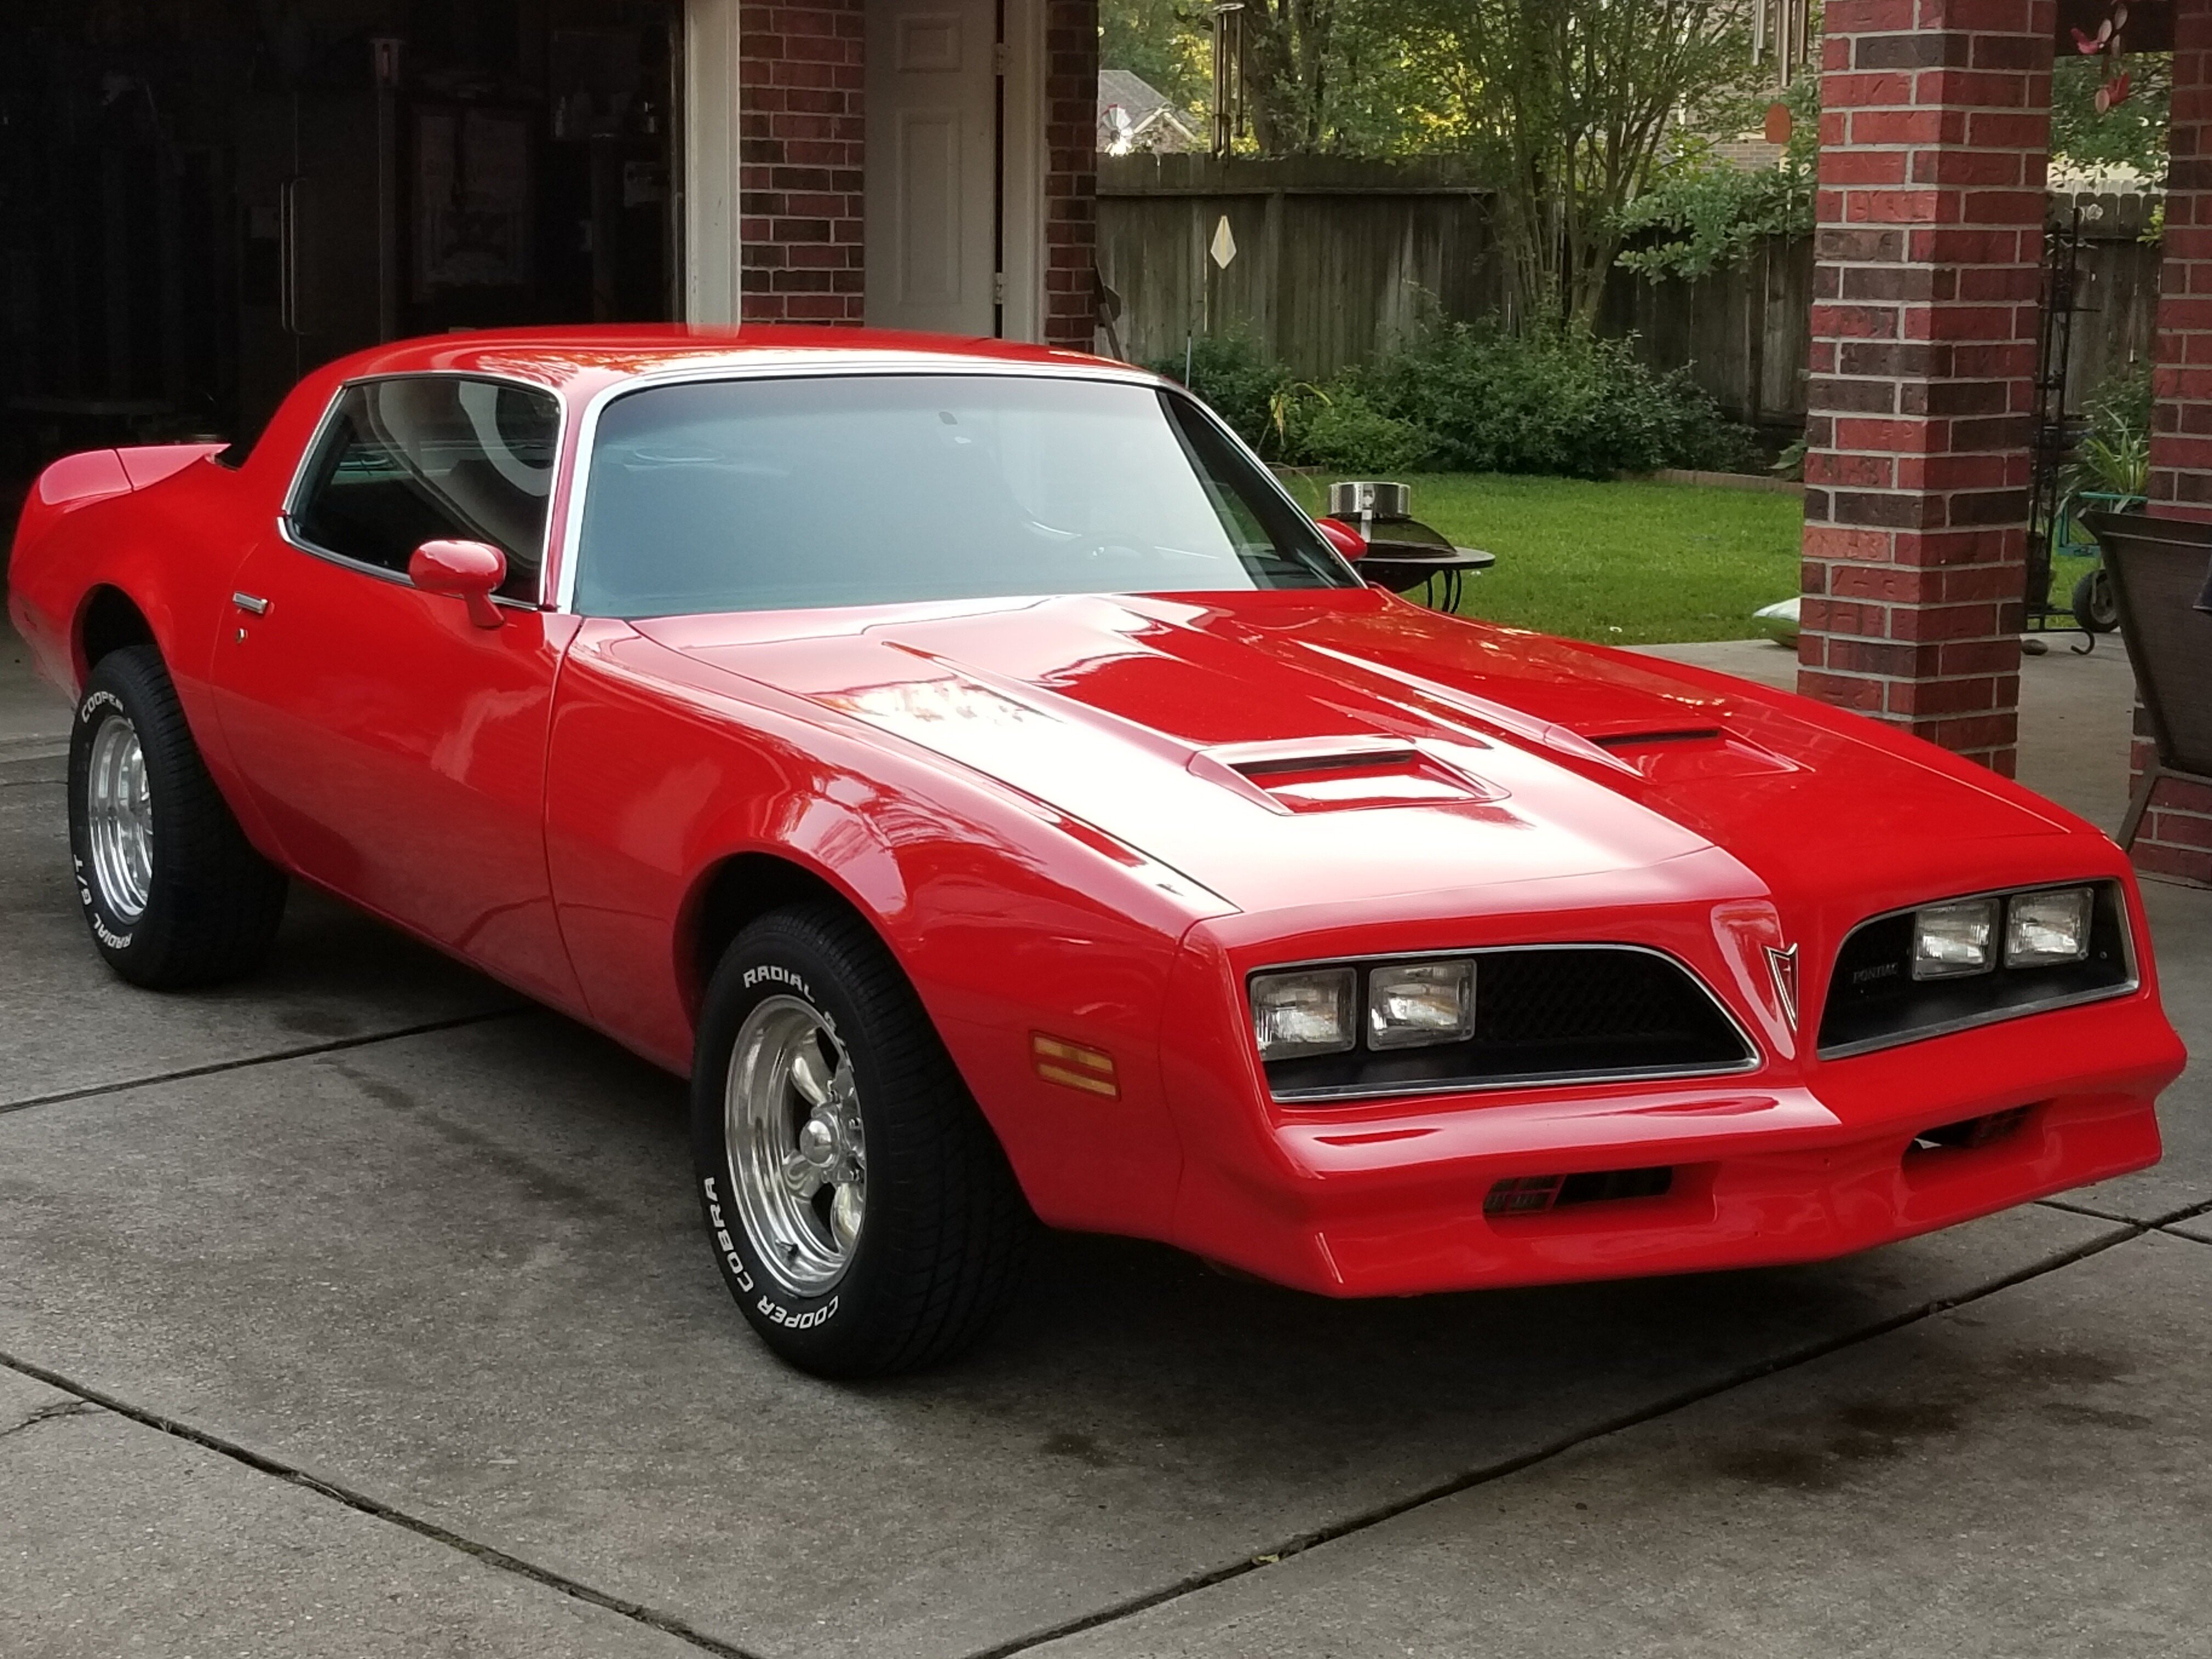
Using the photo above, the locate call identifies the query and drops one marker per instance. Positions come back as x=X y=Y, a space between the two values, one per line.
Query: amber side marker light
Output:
x=1072 y=1066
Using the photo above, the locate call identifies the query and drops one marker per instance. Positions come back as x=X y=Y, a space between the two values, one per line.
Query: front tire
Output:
x=174 y=894
x=860 y=1208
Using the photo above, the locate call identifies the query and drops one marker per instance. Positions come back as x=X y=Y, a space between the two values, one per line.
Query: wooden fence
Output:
x=1335 y=258
x=1332 y=258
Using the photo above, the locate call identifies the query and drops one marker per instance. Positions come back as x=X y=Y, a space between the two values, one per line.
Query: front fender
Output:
x=661 y=770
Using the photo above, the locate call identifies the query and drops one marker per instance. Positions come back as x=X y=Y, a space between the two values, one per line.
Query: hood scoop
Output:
x=1335 y=774
x=1684 y=754
x=1617 y=740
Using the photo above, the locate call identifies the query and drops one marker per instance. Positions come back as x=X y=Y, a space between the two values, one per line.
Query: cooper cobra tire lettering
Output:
x=731 y=1259
x=943 y=1228
x=803 y=1321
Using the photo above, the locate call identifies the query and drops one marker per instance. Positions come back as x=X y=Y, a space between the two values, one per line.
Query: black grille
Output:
x=1540 y=1195
x=1874 y=1001
x=1545 y=1013
x=1969 y=1133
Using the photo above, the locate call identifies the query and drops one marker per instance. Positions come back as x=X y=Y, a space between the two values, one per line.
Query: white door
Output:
x=933 y=165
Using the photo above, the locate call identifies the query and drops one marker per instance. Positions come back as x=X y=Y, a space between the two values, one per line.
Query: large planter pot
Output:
x=2161 y=572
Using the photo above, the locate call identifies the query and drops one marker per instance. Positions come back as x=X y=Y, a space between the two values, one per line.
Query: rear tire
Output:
x=175 y=896
x=858 y=1206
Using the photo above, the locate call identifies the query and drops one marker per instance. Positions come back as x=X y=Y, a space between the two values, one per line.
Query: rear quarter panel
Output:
x=170 y=549
x=168 y=528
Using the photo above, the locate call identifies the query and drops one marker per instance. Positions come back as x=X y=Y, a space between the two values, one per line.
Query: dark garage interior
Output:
x=201 y=199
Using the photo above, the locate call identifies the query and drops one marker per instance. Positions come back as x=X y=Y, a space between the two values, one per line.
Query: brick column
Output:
x=1071 y=182
x=1934 y=135
x=2176 y=836
x=802 y=99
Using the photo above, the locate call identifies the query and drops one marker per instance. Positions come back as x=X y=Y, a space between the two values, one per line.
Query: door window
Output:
x=419 y=459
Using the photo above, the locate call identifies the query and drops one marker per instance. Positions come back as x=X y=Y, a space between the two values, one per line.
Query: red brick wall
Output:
x=1071 y=184
x=802 y=105
x=1934 y=134
x=2176 y=836
x=801 y=100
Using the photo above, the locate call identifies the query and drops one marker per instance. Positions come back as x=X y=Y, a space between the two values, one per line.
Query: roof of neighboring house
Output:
x=1152 y=121
x=1132 y=92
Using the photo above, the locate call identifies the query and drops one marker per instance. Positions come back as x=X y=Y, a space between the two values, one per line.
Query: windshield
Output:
x=769 y=495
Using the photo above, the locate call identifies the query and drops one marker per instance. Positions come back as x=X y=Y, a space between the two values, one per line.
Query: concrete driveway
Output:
x=358 y=1310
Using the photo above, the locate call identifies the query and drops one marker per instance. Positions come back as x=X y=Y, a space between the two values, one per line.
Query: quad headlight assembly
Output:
x=1960 y=962
x=2042 y=929
x=1408 y=1004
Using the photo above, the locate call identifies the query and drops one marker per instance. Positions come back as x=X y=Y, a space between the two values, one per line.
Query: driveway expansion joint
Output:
x=2164 y=1218
x=89 y=1399
x=307 y=1051
x=2123 y=1233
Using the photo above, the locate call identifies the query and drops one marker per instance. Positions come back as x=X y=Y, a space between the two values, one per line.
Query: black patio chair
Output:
x=2162 y=571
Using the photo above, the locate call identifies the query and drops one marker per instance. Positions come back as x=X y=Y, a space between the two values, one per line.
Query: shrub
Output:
x=2113 y=455
x=1704 y=213
x=1555 y=400
x=1339 y=428
x=1471 y=399
x=1239 y=377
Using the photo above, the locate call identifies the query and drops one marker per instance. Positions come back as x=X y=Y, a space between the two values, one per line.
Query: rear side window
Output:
x=419 y=459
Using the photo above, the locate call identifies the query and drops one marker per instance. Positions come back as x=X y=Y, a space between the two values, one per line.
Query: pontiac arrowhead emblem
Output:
x=1783 y=966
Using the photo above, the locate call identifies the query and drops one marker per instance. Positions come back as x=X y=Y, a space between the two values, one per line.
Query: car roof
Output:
x=566 y=357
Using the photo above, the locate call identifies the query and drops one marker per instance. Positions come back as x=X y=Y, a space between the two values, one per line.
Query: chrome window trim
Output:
x=290 y=536
x=1996 y=1016
x=860 y=367
x=1754 y=1059
x=287 y=513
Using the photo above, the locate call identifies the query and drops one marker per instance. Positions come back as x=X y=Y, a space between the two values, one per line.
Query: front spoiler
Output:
x=1384 y=1203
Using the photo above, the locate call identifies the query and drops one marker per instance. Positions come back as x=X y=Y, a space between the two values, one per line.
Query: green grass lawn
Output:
x=1623 y=563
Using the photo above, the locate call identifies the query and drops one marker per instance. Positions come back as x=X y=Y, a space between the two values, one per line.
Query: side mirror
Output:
x=1343 y=538
x=468 y=571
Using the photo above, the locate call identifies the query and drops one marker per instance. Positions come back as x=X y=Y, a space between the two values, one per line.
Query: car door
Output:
x=394 y=748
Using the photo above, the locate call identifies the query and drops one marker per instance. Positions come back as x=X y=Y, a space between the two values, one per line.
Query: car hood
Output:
x=1259 y=743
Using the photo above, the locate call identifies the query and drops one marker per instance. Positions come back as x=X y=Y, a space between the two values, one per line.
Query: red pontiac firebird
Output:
x=971 y=767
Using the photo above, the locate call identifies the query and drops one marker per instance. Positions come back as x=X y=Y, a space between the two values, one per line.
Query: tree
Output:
x=1329 y=76
x=1165 y=42
x=1569 y=104
x=1704 y=213
x=2131 y=134
x=1287 y=62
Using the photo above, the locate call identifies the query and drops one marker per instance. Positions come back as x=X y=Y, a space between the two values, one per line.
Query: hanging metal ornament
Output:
x=1228 y=74
x=1782 y=30
x=2108 y=43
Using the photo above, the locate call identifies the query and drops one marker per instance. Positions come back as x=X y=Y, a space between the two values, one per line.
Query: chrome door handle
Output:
x=253 y=602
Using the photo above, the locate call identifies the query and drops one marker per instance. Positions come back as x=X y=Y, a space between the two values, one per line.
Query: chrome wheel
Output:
x=120 y=817
x=791 y=1120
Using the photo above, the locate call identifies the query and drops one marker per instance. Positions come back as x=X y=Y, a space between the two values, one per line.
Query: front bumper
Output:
x=1766 y=1169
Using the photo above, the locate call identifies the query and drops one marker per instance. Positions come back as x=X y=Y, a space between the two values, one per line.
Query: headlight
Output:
x=1306 y=1013
x=1412 y=1004
x=2044 y=929
x=1950 y=941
